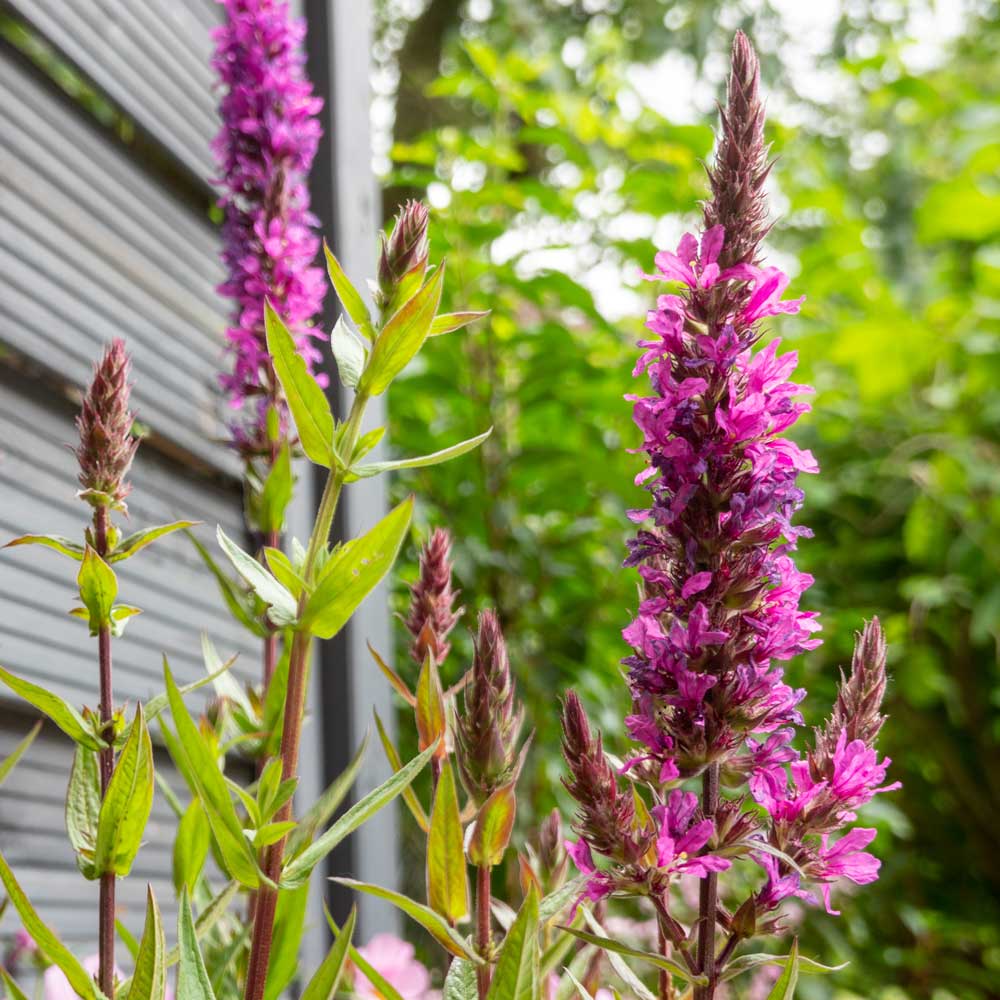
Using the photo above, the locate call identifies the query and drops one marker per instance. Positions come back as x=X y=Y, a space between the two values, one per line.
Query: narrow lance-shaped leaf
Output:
x=192 y=979
x=460 y=983
x=158 y=703
x=326 y=980
x=98 y=589
x=83 y=808
x=746 y=963
x=354 y=572
x=449 y=322
x=307 y=402
x=138 y=540
x=126 y=804
x=348 y=352
x=276 y=493
x=447 y=876
x=350 y=298
x=608 y=944
x=382 y=985
x=298 y=868
x=65 y=546
x=326 y=805
x=432 y=922
x=395 y=762
x=784 y=988
x=15 y=992
x=430 y=711
x=149 y=981
x=282 y=605
x=191 y=845
x=289 y=926
x=60 y=711
x=61 y=956
x=436 y=458
x=402 y=336
x=10 y=761
x=620 y=966
x=494 y=824
x=200 y=767
x=517 y=975
x=239 y=602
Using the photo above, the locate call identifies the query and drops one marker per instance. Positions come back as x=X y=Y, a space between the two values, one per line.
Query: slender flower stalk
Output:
x=105 y=455
x=720 y=606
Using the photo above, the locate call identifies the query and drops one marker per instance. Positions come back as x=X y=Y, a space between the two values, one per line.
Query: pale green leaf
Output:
x=131 y=544
x=348 y=352
x=149 y=981
x=326 y=980
x=192 y=979
x=61 y=712
x=282 y=608
x=447 y=876
x=517 y=975
x=453 y=451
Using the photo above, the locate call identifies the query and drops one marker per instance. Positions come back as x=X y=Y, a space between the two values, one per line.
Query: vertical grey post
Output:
x=345 y=199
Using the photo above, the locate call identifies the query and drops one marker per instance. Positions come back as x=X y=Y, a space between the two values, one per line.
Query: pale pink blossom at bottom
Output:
x=395 y=960
x=56 y=986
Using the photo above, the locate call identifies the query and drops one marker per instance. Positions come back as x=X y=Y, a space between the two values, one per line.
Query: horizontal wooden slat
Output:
x=178 y=595
x=91 y=248
x=151 y=58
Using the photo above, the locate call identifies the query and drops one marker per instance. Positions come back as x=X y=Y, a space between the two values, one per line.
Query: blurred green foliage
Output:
x=551 y=177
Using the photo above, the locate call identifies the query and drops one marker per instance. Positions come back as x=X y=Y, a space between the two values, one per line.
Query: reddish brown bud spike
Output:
x=107 y=447
x=737 y=177
x=432 y=613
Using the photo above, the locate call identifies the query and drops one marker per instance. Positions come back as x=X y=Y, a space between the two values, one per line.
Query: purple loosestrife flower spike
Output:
x=404 y=252
x=264 y=150
x=432 y=601
x=107 y=445
x=488 y=726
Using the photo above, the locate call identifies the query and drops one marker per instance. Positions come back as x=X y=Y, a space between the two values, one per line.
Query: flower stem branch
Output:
x=709 y=896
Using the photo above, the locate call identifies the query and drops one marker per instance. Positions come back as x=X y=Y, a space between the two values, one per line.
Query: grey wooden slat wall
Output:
x=97 y=241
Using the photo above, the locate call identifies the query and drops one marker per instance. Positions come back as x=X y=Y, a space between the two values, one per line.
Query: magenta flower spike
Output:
x=265 y=149
x=720 y=609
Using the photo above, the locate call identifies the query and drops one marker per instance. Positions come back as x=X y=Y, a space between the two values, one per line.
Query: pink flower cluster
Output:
x=722 y=591
x=264 y=149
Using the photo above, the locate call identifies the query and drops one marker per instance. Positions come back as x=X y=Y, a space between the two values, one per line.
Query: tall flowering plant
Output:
x=720 y=609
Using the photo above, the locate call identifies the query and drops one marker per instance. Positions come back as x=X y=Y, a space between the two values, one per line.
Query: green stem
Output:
x=295 y=699
x=484 y=944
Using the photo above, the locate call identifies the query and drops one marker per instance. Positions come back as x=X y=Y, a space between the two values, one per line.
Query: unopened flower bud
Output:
x=107 y=445
x=405 y=251
x=488 y=726
x=432 y=601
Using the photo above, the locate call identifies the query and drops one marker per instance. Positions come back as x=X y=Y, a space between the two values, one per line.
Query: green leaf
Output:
x=272 y=502
x=349 y=296
x=191 y=845
x=128 y=939
x=375 y=468
x=366 y=442
x=289 y=925
x=384 y=988
x=307 y=402
x=192 y=979
x=61 y=712
x=402 y=336
x=121 y=614
x=64 y=545
x=282 y=608
x=556 y=901
x=348 y=352
x=395 y=762
x=131 y=544
x=284 y=572
x=297 y=870
x=807 y=966
x=15 y=991
x=239 y=602
x=127 y=803
x=432 y=922
x=517 y=975
x=200 y=767
x=460 y=983
x=271 y=833
x=354 y=571
x=430 y=713
x=608 y=944
x=494 y=824
x=320 y=812
x=98 y=589
x=447 y=877
x=448 y=322
x=581 y=990
x=208 y=918
x=18 y=752
x=149 y=981
x=326 y=980
x=622 y=970
x=53 y=948
x=83 y=808
x=393 y=678
x=784 y=988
